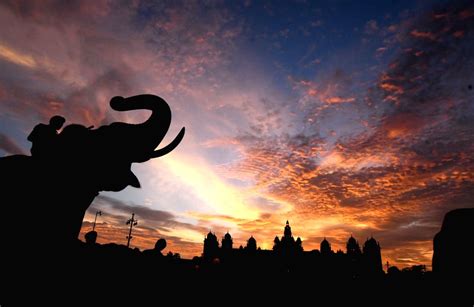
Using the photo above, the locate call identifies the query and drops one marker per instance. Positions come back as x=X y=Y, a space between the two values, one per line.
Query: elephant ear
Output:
x=132 y=180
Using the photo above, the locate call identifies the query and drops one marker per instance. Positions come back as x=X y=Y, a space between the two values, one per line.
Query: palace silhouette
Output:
x=288 y=255
x=287 y=264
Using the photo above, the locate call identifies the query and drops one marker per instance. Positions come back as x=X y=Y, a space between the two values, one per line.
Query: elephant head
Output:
x=107 y=153
x=122 y=144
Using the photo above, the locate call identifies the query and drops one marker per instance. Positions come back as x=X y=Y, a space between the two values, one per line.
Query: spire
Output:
x=287 y=232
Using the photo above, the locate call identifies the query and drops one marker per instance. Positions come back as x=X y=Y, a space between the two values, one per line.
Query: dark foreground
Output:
x=109 y=273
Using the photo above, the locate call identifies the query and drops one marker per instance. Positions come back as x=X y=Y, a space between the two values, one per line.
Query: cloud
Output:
x=17 y=58
x=423 y=35
x=371 y=27
x=138 y=47
x=156 y=219
x=338 y=99
x=9 y=145
x=140 y=211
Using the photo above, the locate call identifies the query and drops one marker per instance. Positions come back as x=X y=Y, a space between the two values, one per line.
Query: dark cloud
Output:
x=140 y=211
x=155 y=219
x=152 y=225
x=429 y=77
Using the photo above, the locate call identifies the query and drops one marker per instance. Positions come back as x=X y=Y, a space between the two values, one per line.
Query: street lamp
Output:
x=132 y=222
x=95 y=220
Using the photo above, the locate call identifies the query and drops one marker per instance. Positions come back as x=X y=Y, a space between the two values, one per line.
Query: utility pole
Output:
x=132 y=222
x=95 y=220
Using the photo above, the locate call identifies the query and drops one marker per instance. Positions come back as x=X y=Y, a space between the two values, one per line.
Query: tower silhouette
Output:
x=227 y=242
x=372 y=257
x=353 y=248
x=325 y=247
x=211 y=246
x=251 y=245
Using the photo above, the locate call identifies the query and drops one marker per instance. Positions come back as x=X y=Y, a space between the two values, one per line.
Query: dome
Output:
x=351 y=241
x=371 y=241
x=352 y=246
x=210 y=235
x=325 y=245
x=227 y=241
x=251 y=244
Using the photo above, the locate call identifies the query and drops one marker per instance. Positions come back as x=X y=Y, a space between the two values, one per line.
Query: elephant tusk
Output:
x=168 y=148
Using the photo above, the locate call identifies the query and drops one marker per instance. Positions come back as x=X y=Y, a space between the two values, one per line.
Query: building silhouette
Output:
x=227 y=242
x=372 y=257
x=287 y=245
x=353 y=248
x=325 y=247
x=251 y=246
x=288 y=255
x=211 y=247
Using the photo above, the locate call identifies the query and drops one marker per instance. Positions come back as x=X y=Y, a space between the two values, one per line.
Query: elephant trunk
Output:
x=154 y=129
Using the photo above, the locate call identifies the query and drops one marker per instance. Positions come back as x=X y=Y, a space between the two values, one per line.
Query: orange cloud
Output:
x=17 y=57
x=423 y=34
x=403 y=124
x=390 y=87
x=338 y=99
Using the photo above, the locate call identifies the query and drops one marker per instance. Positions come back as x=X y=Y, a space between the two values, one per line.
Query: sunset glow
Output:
x=340 y=122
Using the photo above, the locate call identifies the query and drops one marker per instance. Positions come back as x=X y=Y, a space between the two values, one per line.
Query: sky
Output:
x=343 y=117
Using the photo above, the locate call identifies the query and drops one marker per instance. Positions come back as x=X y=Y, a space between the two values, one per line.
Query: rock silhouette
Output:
x=453 y=251
x=453 y=246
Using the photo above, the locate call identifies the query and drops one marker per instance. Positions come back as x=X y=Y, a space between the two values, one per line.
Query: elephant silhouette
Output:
x=43 y=200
